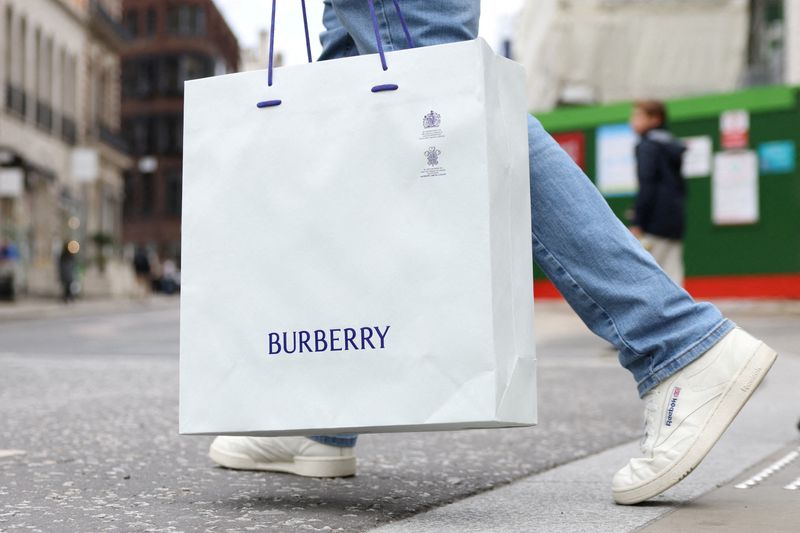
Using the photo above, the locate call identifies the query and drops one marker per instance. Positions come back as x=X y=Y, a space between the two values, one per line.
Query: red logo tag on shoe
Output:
x=672 y=403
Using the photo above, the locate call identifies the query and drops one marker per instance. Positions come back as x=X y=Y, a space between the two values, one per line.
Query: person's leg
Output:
x=336 y=41
x=609 y=280
x=600 y=268
x=613 y=284
x=668 y=253
x=666 y=340
x=318 y=455
x=430 y=22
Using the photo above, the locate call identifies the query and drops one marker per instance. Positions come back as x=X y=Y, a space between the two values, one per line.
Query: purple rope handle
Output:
x=378 y=40
x=272 y=38
x=375 y=26
x=409 y=40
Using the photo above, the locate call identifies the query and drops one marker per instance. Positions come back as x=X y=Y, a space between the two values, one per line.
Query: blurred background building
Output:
x=61 y=154
x=580 y=52
x=257 y=57
x=91 y=115
x=729 y=72
x=171 y=42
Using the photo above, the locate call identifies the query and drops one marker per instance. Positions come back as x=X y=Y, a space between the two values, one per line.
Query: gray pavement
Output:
x=88 y=438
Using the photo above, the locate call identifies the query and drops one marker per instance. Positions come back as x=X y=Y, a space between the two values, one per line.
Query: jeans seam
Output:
x=389 y=39
x=586 y=295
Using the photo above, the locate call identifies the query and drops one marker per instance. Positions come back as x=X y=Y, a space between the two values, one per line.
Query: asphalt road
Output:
x=88 y=433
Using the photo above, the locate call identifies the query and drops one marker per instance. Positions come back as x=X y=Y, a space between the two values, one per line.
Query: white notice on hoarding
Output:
x=697 y=158
x=734 y=188
x=616 y=160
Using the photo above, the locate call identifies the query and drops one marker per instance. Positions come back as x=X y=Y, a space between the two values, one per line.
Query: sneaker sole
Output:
x=300 y=466
x=733 y=399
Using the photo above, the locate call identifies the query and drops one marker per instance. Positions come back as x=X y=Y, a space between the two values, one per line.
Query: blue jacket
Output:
x=660 y=203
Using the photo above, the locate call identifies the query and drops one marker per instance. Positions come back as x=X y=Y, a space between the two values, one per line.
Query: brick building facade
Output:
x=173 y=41
x=59 y=64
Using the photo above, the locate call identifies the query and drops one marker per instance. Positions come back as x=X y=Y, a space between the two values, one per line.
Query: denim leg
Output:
x=613 y=284
x=429 y=22
x=603 y=272
x=343 y=440
x=336 y=42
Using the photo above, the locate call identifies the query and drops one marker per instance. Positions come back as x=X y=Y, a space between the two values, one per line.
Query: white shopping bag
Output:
x=358 y=261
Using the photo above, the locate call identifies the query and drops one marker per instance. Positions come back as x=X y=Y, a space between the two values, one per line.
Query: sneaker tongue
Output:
x=650 y=412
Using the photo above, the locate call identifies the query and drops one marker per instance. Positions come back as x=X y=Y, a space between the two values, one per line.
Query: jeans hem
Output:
x=671 y=367
x=339 y=441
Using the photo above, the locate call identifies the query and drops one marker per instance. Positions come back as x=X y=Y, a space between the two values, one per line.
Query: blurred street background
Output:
x=90 y=258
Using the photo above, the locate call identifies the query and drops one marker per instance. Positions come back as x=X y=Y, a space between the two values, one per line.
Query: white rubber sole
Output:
x=733 y=399
x=300 y=466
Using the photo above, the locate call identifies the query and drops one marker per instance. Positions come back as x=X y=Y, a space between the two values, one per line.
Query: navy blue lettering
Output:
x=382 y=335
x=335 y=339
x=349 y=336
x=304 y=338
x=332 y=339
x=366 y=335
x=319 y=338
x=274 y=344
x=286 y=342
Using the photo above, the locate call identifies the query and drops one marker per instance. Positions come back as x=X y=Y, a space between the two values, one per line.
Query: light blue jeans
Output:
x=610 y=281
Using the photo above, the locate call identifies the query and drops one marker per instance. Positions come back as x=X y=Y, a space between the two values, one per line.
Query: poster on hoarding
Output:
x=777 y=157
x=734 y=129
x=574 y=143
x=616 y=160
x=734 y=188
x=698 y=156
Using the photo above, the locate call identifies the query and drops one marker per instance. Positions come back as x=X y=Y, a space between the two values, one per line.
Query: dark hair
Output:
x=653 y=109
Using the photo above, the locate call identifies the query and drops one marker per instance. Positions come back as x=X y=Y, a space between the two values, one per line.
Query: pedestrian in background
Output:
x=66 y=273
x=659 y=213
x=141 y=265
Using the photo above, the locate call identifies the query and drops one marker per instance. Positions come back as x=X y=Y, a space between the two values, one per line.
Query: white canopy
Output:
x=586 y=51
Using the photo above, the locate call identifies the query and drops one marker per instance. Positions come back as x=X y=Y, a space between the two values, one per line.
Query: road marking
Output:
x=771 y=469
x=794 y=485
x=11 y=453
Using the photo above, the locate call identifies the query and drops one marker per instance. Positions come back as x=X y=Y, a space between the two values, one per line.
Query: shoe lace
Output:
x=650 y=423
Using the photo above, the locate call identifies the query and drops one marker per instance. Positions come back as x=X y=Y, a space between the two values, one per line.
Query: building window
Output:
x=199 y=23
x=128 y=80
x=194 y=67
x=68 y=91
x=766 y=50
x=145 y=78
x=131 y=22
x=148 y=193
x=186 y=20
x=9 y=59
x=37 y=64
x=16 y=98
x=173 y=193
x=22 y=59
x=128 y=201
x=169 y=80
x=152 y=22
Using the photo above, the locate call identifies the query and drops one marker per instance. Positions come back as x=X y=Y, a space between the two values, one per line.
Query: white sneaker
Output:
x=295 y=455
x=686 y=414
